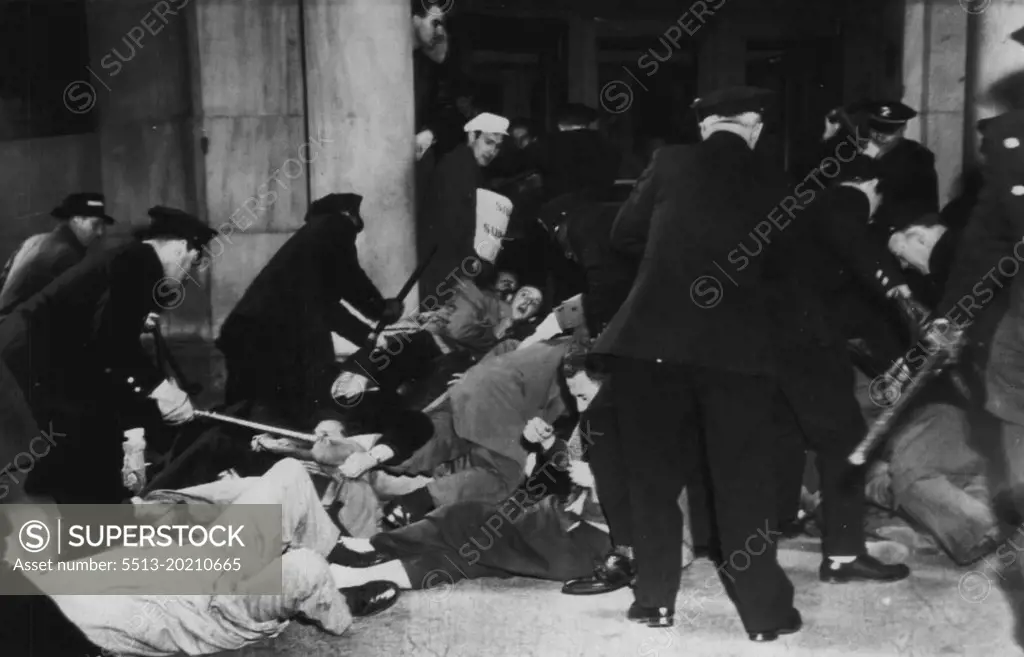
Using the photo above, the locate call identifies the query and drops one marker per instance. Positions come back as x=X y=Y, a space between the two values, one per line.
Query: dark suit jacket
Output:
x=824 y=264
x=449 y=221
x=609 y=273
x=836 y=257
x=434 y=105
x=695 y=208
x=39 y=260
x=908 y=183
x=285 y=318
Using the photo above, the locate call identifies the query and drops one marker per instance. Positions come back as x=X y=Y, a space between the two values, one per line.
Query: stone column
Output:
x=994 y=55
x=359 y=89
x=582 y=52
x=934 y=69
x=254 y=152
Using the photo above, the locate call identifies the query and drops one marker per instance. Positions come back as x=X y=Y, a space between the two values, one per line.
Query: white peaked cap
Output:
x=487 y=122
x=492 y=215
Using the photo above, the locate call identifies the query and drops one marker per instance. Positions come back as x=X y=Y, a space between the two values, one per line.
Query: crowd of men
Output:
x=579 y=377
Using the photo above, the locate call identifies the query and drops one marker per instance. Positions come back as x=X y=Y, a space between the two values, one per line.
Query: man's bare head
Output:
x=429 y=25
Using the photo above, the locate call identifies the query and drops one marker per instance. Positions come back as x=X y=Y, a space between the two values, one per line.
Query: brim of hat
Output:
x=148 y=233
x=885 y=127
x=59 y=213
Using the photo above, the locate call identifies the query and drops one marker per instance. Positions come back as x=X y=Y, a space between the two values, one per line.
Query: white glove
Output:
x=830 y=130
x=152 y=321
x=175 y=406
x=349 y=386
x=538 y=431
x=424 y=141
x=581 y=475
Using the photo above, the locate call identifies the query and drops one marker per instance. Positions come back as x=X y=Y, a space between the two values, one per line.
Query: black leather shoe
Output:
x=612 y=574
x=651 y=616
x=864 y=569
x=343 y=556
x=792 y=627
x=371 y=598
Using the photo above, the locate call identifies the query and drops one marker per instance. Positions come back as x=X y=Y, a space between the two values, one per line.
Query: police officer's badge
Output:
x=885 y=112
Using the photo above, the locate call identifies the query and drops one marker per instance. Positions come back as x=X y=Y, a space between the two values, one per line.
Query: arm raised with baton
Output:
x=402 y=294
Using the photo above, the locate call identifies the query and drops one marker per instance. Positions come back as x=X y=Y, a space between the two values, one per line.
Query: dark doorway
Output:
x=807 y=77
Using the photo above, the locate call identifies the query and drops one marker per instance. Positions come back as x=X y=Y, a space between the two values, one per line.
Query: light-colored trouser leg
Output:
x=151 y=625
x=361 y=511
x=959 y=520
x=200 y=624
x=389 y=486
x=304 y=522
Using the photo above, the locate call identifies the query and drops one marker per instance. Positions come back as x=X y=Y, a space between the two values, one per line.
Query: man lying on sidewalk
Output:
x=550 y=528
x=931 y=475
x=78 y=625
x=476 y=452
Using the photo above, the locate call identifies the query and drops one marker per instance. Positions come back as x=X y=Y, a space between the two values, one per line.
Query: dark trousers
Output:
x=405 y=357
x=474 y=539
x=61 y=447
x=817 y=410
x=657 y=407
x=606 y=453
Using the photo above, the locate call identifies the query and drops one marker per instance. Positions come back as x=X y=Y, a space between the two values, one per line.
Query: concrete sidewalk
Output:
x=939 y=611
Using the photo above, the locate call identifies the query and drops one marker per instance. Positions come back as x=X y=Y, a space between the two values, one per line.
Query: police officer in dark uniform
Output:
x=73 y=370
x=827 y=263
x=277 y=340
x=672 y=360
x=909 y=183
x=984 y=269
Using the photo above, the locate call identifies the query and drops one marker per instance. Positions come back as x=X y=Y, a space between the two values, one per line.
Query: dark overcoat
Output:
x=277 y=340
x=699 y=296
x=76 y=364
x=449 y=221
